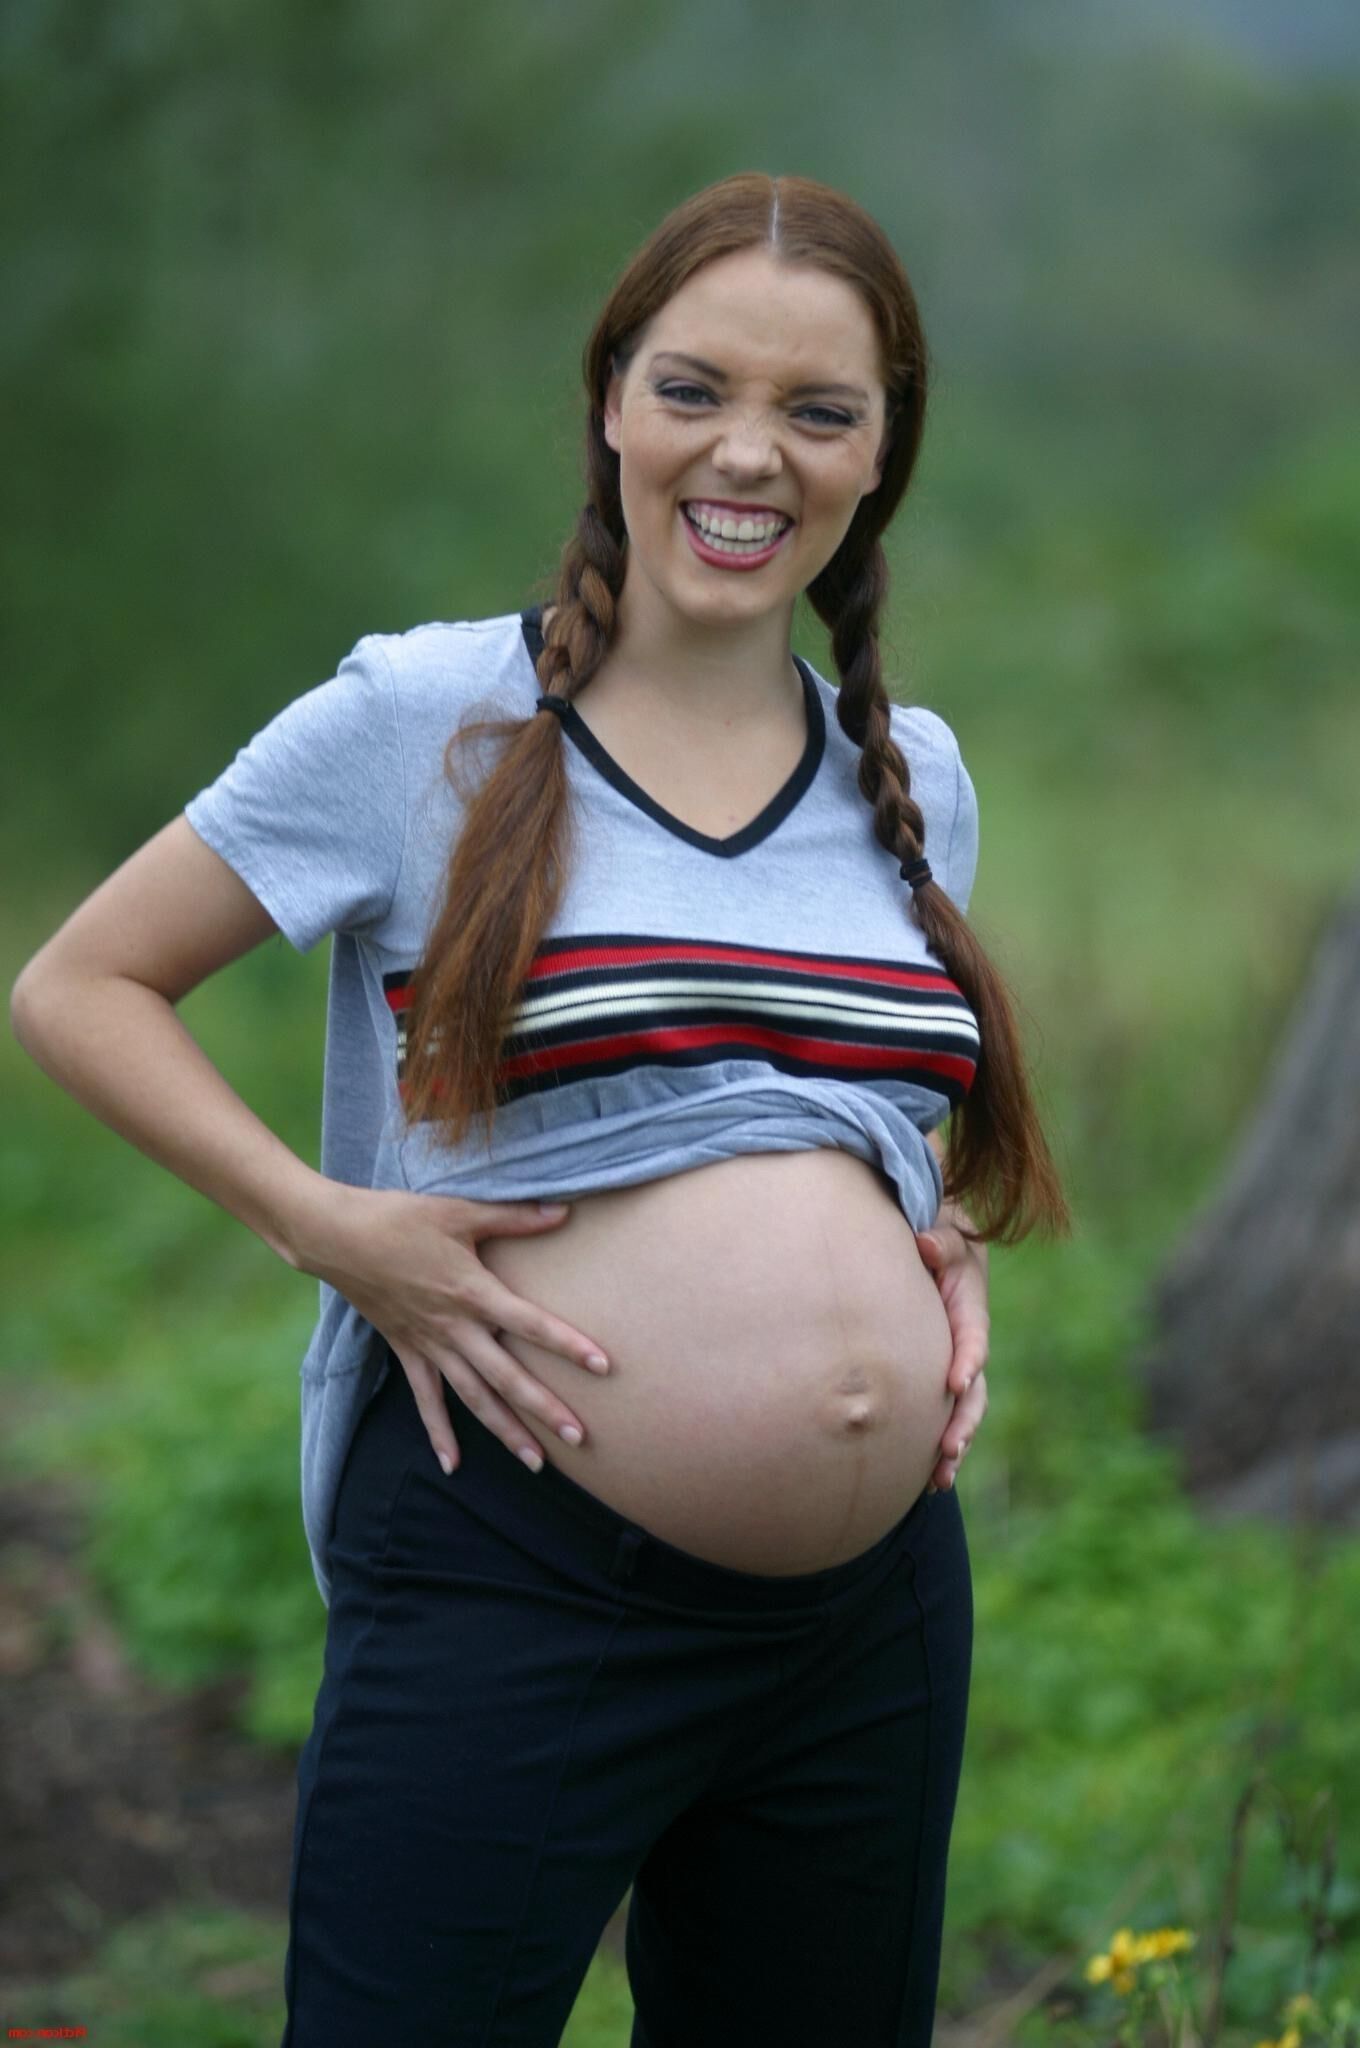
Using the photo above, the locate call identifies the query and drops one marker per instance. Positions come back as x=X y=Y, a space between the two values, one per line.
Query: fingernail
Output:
x=532 y=1459
x=551 y=1208
x=597 y=1361
x=446 y=1461
x=570 y=1433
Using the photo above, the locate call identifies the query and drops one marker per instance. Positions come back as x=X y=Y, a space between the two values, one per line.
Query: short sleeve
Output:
x=961 y=860
x=944 y=789
x=311 y=813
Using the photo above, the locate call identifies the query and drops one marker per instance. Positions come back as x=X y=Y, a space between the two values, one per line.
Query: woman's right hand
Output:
x=409 y=1265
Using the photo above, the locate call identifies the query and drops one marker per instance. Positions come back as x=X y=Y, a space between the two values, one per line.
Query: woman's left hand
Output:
x=960 y=1270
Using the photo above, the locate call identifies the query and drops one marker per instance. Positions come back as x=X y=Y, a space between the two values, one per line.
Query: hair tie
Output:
x=917 y=872
x=557 y=704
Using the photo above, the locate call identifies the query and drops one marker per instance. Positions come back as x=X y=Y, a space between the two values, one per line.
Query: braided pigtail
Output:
x=513 y=852
x=995 y=1148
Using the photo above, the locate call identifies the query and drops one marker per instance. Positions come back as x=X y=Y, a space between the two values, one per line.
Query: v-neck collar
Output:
x=760 y=827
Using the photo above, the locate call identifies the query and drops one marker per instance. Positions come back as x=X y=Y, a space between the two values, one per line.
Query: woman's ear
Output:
x=613 y=406
x=884 y=445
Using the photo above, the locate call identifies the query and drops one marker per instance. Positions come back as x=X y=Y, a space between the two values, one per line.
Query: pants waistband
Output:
x=621 y=1549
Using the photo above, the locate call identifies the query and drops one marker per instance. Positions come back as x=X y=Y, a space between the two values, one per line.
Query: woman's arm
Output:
x=95 y=1008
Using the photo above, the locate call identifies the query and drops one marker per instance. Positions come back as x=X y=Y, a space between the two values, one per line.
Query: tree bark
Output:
x=1254 y=1370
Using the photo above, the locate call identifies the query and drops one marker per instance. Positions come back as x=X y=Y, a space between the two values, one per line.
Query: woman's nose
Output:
x=748 y=447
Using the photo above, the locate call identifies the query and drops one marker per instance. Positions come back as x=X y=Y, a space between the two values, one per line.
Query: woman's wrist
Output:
x=304 y=1226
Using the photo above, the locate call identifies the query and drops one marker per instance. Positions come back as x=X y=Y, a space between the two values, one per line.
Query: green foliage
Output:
x=189 y=1454
x=293 y=339
x=1131 y=1660
x=215 y=1979
x=603 y=2014
x=195 y=1975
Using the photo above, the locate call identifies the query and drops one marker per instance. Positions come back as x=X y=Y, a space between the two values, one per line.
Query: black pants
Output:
x=530 y=1703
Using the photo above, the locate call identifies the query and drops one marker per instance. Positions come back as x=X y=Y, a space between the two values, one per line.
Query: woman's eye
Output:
x=830 y=417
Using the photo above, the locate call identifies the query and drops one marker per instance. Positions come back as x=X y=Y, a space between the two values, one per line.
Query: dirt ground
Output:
x=116 y=1797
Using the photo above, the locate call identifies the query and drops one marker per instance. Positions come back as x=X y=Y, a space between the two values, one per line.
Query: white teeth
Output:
x=735 y=536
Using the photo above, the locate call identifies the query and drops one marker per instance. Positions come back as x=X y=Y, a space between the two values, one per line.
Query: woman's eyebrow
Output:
x=718 y=376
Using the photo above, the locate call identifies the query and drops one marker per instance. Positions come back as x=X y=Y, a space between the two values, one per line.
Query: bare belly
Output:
x=778 y=1350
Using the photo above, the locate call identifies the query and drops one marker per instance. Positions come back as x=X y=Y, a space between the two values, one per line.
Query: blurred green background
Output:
x=295 y=300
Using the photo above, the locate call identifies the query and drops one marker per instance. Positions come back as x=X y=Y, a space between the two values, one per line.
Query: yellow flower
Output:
x=1127 y=1950
x=1300 y=2004
x=1118 y=1963
x=1290 y=2038
x=1164 y=1941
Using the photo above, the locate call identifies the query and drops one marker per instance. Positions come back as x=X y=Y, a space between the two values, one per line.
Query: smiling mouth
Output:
x=750 y=549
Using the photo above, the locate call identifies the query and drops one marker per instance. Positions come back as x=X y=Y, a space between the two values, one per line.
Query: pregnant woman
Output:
x=634 y=911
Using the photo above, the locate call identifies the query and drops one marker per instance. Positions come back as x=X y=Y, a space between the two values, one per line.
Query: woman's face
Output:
x=780 y=410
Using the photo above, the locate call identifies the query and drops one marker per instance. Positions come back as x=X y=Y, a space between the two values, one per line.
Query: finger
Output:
x=494 y=1305
x=428 y=1388
x=942 y=1478
x=510 y=1219
x=515 y=1384
x=970 y=1357
x=942 y=1245
x=492 y=1412
x=969 y=1410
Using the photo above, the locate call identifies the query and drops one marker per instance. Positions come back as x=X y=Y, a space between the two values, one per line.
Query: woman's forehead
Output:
x=790 y=322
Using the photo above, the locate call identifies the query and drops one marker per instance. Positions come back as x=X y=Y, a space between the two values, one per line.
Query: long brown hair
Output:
x=512 y=855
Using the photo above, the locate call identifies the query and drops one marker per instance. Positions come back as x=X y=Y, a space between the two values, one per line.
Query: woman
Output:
x=687 y=951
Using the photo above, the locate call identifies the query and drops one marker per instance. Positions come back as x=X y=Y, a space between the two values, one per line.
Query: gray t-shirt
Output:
x=693 y=998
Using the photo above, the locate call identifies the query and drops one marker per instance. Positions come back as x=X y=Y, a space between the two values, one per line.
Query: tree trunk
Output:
x=1255 y=1367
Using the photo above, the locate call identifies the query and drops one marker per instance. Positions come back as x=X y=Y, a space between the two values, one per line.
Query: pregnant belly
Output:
x=778 y=1351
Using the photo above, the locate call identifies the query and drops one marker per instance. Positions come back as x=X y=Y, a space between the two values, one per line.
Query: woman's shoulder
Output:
x=931 y=750
x=444 y=665
x=440 y=640
x=923 y=728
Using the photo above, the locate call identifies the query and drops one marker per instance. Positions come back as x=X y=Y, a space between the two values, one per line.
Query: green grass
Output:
x=216 y=1979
